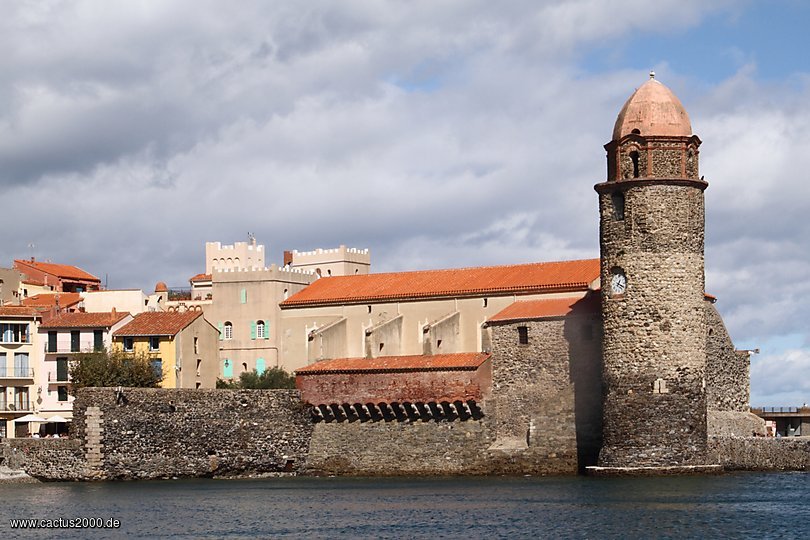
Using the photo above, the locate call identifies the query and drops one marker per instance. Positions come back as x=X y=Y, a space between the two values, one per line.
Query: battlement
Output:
x=271 y=273
x=338 y=261
x=239 y=255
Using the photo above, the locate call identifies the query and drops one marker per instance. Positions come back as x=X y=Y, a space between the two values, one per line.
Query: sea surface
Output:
x=742 y=505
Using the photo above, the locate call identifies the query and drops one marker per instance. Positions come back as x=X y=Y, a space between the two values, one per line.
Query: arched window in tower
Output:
x=618 y=205
x=634 y=158
x=228 y=327
x=261 y=332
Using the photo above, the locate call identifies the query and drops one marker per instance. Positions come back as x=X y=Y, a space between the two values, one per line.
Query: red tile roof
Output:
x=46 y=300
x=436 y=362
x=158 y=323
x=491 y=280
x=84 y=320
x=18 y=311
x=541 y=309
x=59 y=270
x=201 y=277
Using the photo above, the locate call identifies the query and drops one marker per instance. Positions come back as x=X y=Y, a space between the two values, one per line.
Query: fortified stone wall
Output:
x=155 y=433
x=547 y=392
x=47 y=459
x=727 y=377
x=761 y=453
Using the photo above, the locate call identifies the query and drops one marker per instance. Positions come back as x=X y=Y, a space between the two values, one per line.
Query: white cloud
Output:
x=781 y=379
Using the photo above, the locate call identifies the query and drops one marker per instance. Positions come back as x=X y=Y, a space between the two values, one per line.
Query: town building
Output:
x=19 y=350
x=180 y=346
x=58 y=277
x=65 y=336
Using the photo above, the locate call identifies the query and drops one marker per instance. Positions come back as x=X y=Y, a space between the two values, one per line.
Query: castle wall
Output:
x=761 y=453
x=156 y=433
x=727 y=370
x=341 y=261
x=548 y=391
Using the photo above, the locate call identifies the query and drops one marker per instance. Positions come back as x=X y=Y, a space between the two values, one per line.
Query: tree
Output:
x=113 y=368
x=274 y=377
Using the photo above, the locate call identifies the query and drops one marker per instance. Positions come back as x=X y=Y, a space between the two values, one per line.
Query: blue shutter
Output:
x=260 y=366
x=253 y=330
x=227 y=369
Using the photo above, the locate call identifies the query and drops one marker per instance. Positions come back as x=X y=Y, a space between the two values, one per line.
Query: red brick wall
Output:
x=413 y=387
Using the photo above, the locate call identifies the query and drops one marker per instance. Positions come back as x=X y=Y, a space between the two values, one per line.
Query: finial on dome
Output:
x=652 y=74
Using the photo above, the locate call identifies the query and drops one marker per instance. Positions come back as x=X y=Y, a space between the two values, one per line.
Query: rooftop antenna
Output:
x=31 y=246
x=652 y=74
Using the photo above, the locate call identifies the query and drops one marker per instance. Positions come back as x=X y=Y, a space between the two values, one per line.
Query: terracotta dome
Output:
x=161 y=287
x=653 y=110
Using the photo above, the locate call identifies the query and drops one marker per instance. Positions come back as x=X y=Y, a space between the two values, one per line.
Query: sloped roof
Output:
x=46 y=300
x=18 y=311
x=541 y=309
x=85 y=320
x=59 y=270
x=478 y=281
x=158 y=323
x=201 y=277
x=391 y=364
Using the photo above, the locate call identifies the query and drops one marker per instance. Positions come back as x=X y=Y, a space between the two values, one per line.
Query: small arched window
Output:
x=634 y=157
x=261 y=332
x=228 y=330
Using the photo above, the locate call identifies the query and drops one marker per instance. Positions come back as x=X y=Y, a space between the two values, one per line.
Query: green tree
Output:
x=113 y=368
x=274 y=377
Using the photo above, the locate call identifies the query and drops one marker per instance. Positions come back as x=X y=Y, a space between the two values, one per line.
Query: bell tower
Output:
x=651 y=240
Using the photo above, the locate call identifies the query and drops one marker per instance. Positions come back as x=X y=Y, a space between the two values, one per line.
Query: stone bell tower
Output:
x=651 y=239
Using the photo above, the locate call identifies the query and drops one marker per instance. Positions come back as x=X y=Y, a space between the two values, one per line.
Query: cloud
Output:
x=438 y=134
x=779 y=379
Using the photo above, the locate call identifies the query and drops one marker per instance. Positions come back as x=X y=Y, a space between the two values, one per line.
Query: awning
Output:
x=56 y=419
x=30 y=418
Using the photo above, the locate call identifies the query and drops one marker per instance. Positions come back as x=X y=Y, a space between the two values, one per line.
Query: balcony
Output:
x=58 y=378
x=16 y=373
x=18 y=405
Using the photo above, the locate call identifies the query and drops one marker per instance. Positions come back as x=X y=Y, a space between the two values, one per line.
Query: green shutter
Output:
x=227 y=369
x=243 y=296
x=221 y=331
x=253 y=330
x=267 y=328
x=260 y=366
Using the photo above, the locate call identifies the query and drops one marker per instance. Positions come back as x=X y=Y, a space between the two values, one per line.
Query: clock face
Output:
x=618 y=283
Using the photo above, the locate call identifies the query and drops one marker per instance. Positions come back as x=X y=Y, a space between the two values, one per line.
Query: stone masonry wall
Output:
x=761 y=453
x=156 y=433
x=655 y=332
x=46 y=459
x=727 y=370
x=547 y=393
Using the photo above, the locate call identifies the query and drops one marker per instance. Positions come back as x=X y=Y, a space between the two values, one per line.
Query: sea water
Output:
x=741 y=505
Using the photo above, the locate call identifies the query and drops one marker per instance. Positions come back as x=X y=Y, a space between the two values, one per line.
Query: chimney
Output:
x=288 y=259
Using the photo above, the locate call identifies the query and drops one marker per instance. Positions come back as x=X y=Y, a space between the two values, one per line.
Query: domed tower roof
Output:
x=653 y=110
x=161 y=287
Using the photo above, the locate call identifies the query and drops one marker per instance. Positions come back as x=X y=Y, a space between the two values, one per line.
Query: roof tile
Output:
x=18 y=311
x=513 y=279
x=59 y=270
x=541 y=309
x=158 y=323
x=85 y=320
x=46 y=300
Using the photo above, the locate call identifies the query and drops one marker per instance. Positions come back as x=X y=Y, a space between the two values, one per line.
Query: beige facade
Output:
x=340 y=261
x=245 y=310
x=237 y=256
x=130 y=300
x=411 y=327
x=20 y=359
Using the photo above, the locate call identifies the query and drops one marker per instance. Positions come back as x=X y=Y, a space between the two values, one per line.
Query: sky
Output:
x=436 y=133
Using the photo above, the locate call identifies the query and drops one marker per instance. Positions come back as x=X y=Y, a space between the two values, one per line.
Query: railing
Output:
x=17 y=405
x=12 y=341
x=56 y=378
x=16 y=373
x=57 y=350
x=179 y=294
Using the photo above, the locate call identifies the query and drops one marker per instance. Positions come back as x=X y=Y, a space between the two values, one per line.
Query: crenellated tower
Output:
x=651 y=238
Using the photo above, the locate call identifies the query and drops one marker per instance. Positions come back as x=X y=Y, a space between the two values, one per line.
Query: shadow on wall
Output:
x=583 y=332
